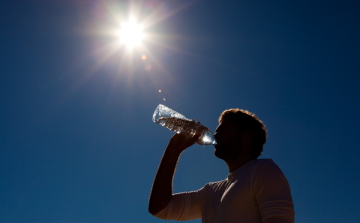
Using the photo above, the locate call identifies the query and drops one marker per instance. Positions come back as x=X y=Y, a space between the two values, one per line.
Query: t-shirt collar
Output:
x=235 y=172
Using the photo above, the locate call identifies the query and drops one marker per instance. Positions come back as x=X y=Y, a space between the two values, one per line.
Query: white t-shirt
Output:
x=250 y=194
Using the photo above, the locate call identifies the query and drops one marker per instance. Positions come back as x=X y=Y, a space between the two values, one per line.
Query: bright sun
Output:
x=125 y=35
x=131 y=34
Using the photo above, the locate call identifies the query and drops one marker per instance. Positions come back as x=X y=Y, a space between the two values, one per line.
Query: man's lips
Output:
x=217 y=145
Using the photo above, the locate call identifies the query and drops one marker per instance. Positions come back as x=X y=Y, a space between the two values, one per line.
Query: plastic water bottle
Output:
x=180 y=124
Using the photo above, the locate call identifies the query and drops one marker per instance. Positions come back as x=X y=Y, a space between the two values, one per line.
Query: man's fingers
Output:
x=182 y=142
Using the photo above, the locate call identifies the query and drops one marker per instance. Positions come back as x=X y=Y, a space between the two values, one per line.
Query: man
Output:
x=255 y=191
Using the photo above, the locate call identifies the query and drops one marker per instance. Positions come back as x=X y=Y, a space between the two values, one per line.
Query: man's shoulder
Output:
x=267 y=166
x=265 y=162
x=215 y=185
x=254 y=165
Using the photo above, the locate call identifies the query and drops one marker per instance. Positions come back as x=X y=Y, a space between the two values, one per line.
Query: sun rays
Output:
x=124 y=33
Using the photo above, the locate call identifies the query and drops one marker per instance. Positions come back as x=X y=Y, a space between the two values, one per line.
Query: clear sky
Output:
x=77 y=143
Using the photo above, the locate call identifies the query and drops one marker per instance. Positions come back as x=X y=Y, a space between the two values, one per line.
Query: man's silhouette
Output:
x=255 y=190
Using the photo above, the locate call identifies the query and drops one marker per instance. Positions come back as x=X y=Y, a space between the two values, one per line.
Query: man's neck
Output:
x=239 y=162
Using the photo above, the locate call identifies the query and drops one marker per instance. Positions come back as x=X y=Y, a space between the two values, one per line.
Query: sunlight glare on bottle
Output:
x=208 y=138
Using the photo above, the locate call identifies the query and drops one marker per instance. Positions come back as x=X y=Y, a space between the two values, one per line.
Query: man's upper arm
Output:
x=183 y=206
x=273 y=194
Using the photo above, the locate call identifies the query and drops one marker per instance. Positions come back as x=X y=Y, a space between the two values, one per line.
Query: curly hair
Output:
x=247 y=121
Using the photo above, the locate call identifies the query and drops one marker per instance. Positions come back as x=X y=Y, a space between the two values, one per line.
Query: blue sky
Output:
x=77 y=143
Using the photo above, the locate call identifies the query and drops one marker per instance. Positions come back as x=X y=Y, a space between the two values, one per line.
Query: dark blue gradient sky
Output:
x=77 y=143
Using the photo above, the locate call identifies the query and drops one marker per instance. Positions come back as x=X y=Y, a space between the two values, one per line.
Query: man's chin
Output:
x=224 y=153
x=218 y=152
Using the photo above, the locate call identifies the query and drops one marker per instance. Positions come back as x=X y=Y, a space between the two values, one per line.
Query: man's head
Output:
x=238 y=130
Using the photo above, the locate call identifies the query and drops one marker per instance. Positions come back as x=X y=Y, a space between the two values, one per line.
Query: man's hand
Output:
x=178 y=143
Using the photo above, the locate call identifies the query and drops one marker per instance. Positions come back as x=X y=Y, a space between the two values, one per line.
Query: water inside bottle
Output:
x=189 y=128
x=179 y=125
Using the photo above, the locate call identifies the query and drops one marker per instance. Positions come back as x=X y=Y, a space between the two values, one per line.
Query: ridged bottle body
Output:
x=178 y=123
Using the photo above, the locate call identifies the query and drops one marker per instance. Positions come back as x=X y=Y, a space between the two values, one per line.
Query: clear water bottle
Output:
x=180 y=124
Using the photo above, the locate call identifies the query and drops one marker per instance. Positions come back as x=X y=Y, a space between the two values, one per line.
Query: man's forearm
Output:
x=161 y=191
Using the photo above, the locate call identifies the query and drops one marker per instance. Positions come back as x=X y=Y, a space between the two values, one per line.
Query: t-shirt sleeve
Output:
x=183 y=206
x=272 y=191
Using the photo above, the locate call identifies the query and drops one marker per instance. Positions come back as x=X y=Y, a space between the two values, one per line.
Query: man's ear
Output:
x=246 y=138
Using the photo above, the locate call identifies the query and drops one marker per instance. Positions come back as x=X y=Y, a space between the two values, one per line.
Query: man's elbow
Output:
x=155 y=208
x=277 y=220
x=159 y=213
x=152 y=210
x=157 y=205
